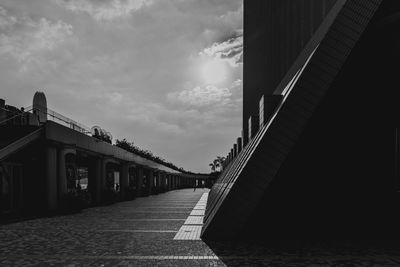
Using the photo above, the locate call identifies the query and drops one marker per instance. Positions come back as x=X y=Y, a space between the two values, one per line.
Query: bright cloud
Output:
x=24 y=37
x=138 y=73
x=230 y=50
x=202 y=96
x=102 y=10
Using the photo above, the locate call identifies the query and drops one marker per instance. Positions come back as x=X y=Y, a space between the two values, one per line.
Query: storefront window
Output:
x=82 y=179
x=116 y=181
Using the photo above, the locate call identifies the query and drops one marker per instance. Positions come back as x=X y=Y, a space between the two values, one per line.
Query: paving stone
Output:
x=116 y=235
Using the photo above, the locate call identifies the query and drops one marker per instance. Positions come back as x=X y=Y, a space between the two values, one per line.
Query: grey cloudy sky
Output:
x=166 y=74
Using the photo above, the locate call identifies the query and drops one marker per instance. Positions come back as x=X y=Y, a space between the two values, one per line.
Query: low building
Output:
x=50 y=163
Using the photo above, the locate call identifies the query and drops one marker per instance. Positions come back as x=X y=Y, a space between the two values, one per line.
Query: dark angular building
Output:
x=275 y=34
x=325 y=162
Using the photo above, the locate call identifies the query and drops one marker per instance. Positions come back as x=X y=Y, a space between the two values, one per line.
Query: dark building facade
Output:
x=325 y=164
x=275 y=32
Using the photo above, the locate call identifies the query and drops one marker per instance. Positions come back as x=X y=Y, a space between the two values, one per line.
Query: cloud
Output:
x=104 y=10
x=230 y=50
x=209 y=103
x=201 y=96
x=24 y=37
x=137 y=73
x=6 y=20
x=115 y=98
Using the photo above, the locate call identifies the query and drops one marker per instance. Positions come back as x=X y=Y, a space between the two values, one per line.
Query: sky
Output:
x=165 y=74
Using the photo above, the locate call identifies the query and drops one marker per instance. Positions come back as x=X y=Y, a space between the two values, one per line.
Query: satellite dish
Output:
x=96 y=130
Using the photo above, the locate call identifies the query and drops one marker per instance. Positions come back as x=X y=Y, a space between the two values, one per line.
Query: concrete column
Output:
x=51 y=178
x=156 y=183
x=166 y=182
x=103 y=177
x=150 y=181
x=239 y=143
x=124 y=180
x=140 y=181
x=100 y=179
x=169 y=182
x=3 y=115
x=160 y=182
x=154 y=179
x=93 y=176
x=62 y=174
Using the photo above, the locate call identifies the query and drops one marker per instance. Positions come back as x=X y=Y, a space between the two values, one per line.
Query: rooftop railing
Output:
x=57 y=117
x=51 y=115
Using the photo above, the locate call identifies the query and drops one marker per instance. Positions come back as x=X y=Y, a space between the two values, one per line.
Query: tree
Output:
x=220 y=161
x=217 y=164
x=124 y=144
x=213 y=166
x=130 y=146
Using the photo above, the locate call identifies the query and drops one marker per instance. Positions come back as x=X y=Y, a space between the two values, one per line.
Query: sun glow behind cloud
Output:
x=147 y=70
x=214 y=71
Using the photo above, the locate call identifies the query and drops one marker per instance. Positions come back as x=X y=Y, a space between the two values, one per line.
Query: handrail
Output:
x=28 y=108
x=20 y=143
x=71 y=123
x=53 y=116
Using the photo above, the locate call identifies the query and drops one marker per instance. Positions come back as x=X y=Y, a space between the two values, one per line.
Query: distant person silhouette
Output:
x=194 y=187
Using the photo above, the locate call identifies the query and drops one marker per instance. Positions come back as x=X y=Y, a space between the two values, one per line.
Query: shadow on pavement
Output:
x=306 y=253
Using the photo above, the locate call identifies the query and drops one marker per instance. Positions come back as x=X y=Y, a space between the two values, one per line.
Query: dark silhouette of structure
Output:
x=325 y=162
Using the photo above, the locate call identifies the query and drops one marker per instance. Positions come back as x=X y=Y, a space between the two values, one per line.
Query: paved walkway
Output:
x=159 y=230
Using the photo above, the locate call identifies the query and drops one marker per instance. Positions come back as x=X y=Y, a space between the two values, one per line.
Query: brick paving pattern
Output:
x=141 y=233
x=191 y=229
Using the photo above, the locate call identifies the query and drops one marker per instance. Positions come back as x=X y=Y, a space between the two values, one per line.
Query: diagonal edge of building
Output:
x=244 y=182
